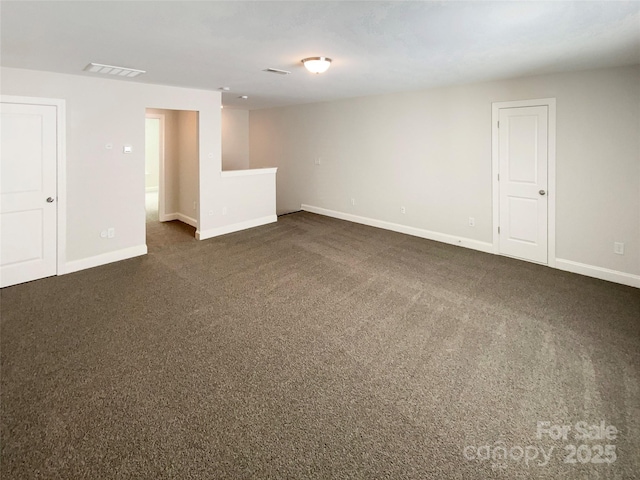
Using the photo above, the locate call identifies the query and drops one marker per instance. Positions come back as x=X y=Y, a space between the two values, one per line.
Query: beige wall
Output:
x=188 y=163
x=235 y=139
x=431 y=152
x=171 y=168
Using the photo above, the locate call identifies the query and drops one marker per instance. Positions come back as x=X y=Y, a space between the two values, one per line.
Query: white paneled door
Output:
x=523 y=181
x=28 y=208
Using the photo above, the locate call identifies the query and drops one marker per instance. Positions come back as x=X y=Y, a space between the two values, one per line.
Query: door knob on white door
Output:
x=50 y=200
x=542 y=192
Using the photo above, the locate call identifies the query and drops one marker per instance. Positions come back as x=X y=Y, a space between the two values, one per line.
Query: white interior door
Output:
x=523 y=163
x=28 y=209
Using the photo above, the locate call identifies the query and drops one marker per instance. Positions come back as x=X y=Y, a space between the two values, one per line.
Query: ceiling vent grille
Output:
x=113 y=70
x=277 y=71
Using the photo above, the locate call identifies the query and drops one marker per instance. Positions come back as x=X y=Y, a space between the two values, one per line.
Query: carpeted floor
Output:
x=164 y=234
x=316 y=348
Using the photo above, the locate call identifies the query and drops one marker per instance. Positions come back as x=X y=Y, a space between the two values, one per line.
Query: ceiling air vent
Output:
x=277 y=71
x=113 y=70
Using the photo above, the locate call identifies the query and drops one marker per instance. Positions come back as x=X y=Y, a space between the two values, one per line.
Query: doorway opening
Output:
x=171 y=177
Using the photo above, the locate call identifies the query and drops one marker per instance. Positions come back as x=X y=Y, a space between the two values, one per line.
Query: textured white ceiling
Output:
x=377 y=47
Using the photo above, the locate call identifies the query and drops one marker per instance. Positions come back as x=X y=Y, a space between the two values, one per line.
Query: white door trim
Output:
x=551 y=172
x=161 y=185
x=61 y=133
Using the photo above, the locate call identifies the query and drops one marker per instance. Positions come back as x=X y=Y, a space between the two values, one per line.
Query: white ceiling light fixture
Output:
x=113 y=70
x=317 y=64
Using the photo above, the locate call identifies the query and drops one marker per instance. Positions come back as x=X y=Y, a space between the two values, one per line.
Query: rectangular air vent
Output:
x=113 y=70
x=278 y=71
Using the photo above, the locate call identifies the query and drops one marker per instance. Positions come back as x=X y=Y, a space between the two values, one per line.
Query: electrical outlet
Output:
x=103 y=234
x=472 y=222
x=224 y=210
x=318 y=160
x=403 y=210
x=618 y=248
x=111 y=232
x=353 y=202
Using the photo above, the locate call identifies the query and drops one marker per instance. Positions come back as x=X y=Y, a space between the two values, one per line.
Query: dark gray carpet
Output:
x=168 y=234
x=164 y=234
x=316 y=348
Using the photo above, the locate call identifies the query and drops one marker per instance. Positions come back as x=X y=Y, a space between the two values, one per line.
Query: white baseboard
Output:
x=179 y=216
x=104 y=258
x=235 y=227
x=599 y=272
x=396 y=227
x=566 y=265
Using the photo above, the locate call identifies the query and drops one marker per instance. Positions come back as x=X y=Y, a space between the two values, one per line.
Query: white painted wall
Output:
x=251 y=190
x=105 y=188
x=431 y=152
x=235 y=139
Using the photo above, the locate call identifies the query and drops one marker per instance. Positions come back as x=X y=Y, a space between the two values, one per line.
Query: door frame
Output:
x=61 y=170
x=551 y=171
x=162 y=217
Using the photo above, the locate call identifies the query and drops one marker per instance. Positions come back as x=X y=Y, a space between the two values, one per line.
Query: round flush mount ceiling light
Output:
x=317 y=64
